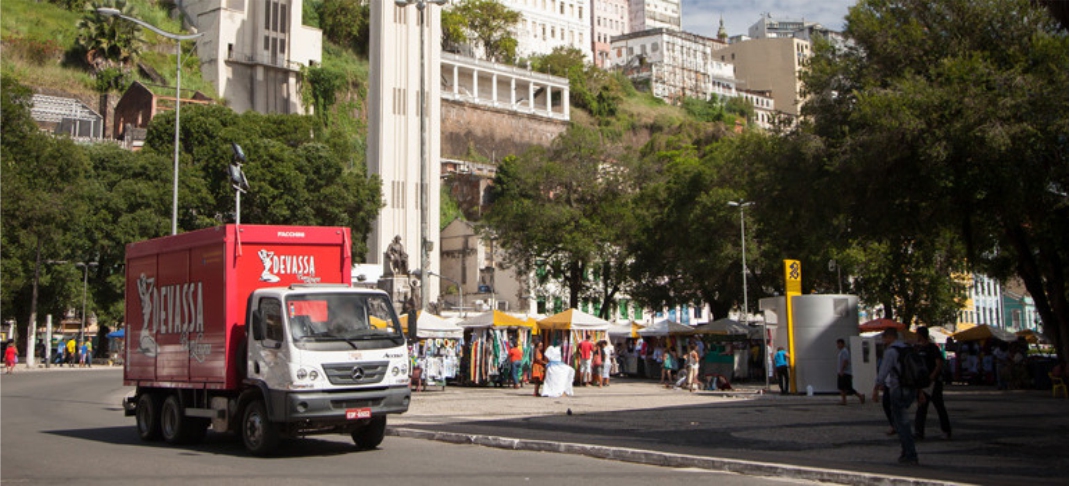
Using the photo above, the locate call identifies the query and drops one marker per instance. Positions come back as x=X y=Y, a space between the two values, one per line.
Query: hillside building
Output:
x=770 y=65
x=546 y=24
x=669 y=63
x=609 y=19
x=654 y=14
x=253 y=51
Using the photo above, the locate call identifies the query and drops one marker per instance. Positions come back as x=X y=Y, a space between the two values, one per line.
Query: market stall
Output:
x=436 y=352
x=488 y=338
x=727 y=345
x=566 y=329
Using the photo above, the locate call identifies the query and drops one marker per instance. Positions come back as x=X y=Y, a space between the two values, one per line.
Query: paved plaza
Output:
x=1000 y=437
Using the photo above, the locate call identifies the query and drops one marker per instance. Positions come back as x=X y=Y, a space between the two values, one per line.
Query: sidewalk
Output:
x=999 y=437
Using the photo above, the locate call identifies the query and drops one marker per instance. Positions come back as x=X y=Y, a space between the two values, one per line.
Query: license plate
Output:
x=358 y=413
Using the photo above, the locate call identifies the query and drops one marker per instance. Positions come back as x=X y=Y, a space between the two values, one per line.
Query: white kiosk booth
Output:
x=819 y=320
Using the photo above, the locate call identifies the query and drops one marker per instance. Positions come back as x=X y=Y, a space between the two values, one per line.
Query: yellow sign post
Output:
x=792 y=288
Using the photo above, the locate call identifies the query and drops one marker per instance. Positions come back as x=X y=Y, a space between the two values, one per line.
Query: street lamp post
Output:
x=743 y=244
x=112 y=12
x=85 y=287
x=425 y=242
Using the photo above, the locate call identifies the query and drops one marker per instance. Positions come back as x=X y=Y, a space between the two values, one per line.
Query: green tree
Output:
x=952 y=118
x=294 y=177
x=690 y=251
x=346 y=23
x=488 y=22
x=110 y=39
x=562 y=207
x=44 y=201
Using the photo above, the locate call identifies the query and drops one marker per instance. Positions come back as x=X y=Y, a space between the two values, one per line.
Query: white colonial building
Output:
x=253 y=51
x=546 y=24
x=673 y=64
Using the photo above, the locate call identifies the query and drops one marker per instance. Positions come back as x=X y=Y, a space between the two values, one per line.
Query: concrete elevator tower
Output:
x=394 y=128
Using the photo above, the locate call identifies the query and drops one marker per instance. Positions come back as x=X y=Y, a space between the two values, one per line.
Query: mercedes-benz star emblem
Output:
x=358 y=373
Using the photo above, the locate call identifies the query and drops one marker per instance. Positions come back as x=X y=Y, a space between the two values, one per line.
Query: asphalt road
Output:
x=66 y=427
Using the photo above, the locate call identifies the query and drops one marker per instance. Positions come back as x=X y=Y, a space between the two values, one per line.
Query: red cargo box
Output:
x=187 y=295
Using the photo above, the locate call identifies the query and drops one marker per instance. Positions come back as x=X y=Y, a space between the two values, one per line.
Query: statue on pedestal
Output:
x=397 y=260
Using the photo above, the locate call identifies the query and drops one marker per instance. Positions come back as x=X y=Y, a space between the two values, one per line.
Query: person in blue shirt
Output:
x=780 y=360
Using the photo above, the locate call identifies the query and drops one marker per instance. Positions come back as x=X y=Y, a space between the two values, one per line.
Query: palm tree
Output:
x=109 y=40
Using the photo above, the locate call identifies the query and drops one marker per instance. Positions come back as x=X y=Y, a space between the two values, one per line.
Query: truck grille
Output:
x=356 y=373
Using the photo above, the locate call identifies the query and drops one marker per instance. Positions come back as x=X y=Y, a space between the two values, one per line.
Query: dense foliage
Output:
x=63 y=201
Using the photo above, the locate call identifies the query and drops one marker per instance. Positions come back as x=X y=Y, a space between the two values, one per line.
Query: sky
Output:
x=702 y=16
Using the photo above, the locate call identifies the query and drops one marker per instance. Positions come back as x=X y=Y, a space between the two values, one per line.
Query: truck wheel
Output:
x=260 y=435
x=371 y=435
x=176 y=427
x=148 y=417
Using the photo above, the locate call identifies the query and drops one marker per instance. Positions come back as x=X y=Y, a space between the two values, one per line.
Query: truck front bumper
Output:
x=329 y=408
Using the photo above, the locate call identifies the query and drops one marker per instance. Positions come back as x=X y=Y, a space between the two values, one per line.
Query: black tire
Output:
x=176 y=427
x=261 y=437
x=148 y=417
x=371 y=435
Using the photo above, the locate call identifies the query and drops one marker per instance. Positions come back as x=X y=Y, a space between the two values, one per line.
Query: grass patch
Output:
x=39 y=37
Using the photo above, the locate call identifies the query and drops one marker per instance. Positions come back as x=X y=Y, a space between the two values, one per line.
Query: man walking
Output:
x=844 y=379
x=586 y=348
x=780 y=360
x=934 y=362
x=900 y=397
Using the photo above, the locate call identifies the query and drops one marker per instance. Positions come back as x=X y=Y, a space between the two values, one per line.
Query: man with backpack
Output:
x=894 y=378
x=934 y=363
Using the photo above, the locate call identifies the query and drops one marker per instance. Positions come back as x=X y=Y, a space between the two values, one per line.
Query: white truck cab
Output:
x=325 y=358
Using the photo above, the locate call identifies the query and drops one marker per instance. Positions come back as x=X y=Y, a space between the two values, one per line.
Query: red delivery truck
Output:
x=256 y=329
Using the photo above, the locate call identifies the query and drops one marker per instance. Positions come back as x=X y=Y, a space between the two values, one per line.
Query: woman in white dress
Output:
x=559 y=376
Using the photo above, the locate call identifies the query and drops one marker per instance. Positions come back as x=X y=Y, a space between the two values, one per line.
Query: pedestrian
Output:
x=900 y=397
x=692 y=368
x=60 y=347
x=597 y=361
x=667 y=365
x=516 y=361
x=844 y=379
x=586 y=349
x=83 y=354
x=11 y=356
x=538 y=365
x=607 y=362
x=934 y=362
x=72 y=348
x=780 y=361
x=559 y=375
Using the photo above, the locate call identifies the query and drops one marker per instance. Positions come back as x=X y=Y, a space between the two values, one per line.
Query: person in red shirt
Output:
x=11 y=355
x=516 y=358
x=586 y=348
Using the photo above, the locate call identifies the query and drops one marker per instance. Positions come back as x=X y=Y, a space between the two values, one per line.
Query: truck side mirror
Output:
x=258 y=326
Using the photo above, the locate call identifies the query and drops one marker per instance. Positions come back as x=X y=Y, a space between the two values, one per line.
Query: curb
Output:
x=664 y=459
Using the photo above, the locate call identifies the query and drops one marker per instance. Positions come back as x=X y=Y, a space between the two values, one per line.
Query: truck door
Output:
x=268 y=355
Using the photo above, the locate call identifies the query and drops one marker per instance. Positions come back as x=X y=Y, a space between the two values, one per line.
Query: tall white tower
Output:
x=394 y=128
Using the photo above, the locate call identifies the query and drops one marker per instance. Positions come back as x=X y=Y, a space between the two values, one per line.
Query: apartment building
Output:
x=770 y=65
x=670 y=63
x=654 y=14
x=609 y=18
x=546 y=24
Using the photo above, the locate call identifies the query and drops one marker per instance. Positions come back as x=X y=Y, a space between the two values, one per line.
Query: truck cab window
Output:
x=271 y=313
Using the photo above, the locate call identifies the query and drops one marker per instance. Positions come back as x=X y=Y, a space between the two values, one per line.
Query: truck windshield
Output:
x=341 y=316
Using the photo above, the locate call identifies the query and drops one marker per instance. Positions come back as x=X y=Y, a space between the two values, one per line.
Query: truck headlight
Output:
x=312 y=375
x=302 y=374
x=395 y=371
